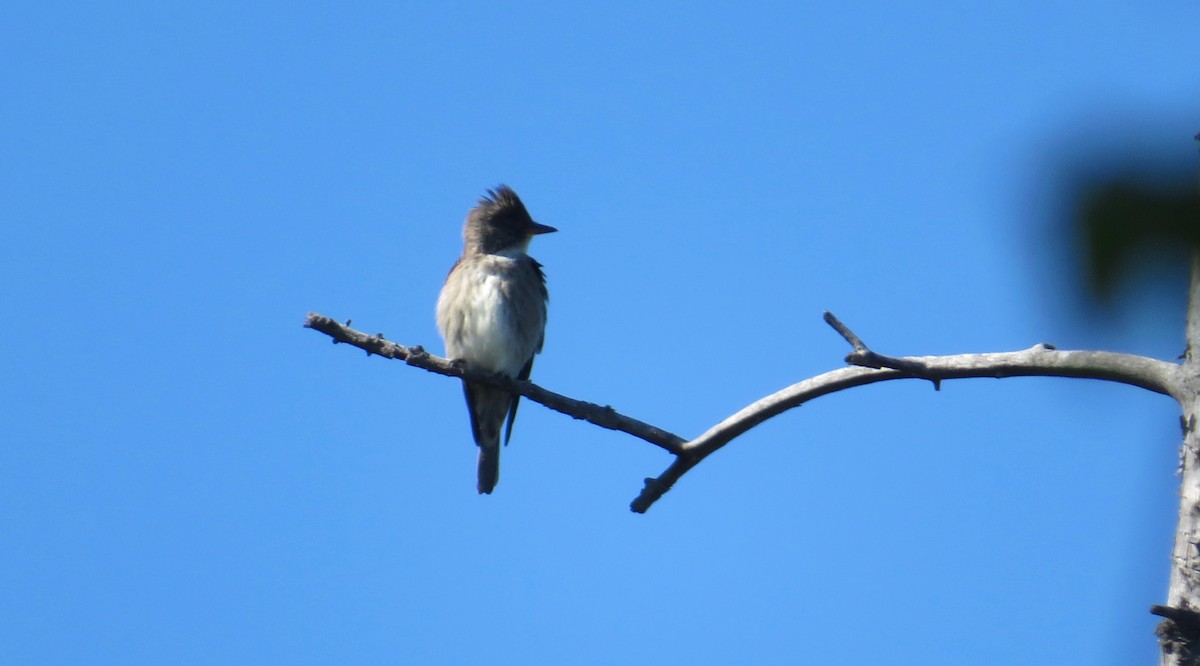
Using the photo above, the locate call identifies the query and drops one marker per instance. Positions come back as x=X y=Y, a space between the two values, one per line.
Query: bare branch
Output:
x=605 y=417
x=1147 y=373
x=1038 y=361
x=845 y=332
x=863 y=356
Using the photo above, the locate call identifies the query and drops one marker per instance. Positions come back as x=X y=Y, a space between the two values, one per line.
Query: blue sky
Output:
x=188 y=476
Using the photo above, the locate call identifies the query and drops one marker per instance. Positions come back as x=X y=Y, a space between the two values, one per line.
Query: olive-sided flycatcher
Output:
x=492 y=315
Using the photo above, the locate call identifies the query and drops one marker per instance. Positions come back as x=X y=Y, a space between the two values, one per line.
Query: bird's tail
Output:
x=489 y=467
x=488 y=407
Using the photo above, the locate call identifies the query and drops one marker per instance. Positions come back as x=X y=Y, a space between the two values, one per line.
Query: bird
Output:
x=491 y=314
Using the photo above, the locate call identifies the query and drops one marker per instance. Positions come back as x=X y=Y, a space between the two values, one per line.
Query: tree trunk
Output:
x=1179 y=633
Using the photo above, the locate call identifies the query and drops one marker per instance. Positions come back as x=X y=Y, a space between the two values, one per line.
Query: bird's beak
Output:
x=541 y=229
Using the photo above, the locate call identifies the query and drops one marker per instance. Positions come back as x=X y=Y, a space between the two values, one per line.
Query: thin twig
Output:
x=865 y=357
x=845 y=332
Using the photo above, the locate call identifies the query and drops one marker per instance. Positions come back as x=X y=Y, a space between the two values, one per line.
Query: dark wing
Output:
x=471 y=411
x=516 y=399
x=524 y=376
x=537 y=269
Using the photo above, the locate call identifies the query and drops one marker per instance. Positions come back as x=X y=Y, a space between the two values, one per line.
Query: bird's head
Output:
x=499 y=222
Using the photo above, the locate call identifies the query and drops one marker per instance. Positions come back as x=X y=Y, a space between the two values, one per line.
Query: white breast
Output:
x=477 y=318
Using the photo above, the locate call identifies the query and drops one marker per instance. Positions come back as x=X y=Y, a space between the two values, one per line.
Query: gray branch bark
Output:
x=1038 y=361
x=605 y=417
x=870 y=367
x=1179 y=633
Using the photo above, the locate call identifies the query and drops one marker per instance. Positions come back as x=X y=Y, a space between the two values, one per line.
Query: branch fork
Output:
x=863 y=356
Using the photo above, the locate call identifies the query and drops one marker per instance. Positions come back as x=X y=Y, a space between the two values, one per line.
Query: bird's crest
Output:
x=503 y=198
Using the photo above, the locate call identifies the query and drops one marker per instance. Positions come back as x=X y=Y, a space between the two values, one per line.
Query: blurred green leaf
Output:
x=1124 y=215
